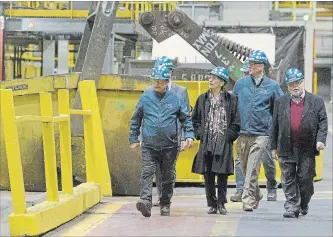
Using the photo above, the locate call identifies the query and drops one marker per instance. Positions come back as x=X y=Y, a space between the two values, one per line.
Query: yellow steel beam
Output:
x=49 y=149
x=26 y=118
x=59 y=13
x=65 y=143
x=46 y=216
x=91 y=172
x=61 y=118
x=7 y=113
x=95 y=145
x=80 y=112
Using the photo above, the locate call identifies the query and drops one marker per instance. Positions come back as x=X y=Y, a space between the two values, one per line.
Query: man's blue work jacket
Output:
x=158 y=115
x=256 y=104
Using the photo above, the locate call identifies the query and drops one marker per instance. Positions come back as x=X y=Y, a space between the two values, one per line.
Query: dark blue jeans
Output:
x=165 y=158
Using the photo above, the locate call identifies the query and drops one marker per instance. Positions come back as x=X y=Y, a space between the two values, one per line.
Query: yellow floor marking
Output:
x=94 y=219
x=226 y=225
x=330 y=130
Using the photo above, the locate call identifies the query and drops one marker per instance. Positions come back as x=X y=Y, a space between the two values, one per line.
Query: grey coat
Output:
x=223 y=162
x=313 y=126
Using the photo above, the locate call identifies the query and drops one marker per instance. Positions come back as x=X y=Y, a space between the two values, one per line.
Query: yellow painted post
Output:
x=315 y=82
x=49 y=149
x=7 y=114
x=11 y=8
x=65 y=144
x=294 y=10
x=88 y=132
x=99 y=151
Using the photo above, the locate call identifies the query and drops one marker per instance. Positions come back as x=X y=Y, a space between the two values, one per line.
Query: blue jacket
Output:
x=182 y=92
x=159 y=115
x=256 y=104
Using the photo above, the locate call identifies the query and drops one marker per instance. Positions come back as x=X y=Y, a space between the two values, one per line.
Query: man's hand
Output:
x=183 y=145
x=135 y=145
x=275 y=155
x=320 y=146
x=189 y=142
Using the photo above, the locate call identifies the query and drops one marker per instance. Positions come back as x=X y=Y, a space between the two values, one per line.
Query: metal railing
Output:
x=320 y=9
x=54 y=211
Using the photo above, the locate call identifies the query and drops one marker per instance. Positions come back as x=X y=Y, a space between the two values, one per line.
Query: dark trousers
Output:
x=297 y=173
x=166 y=159
x=158 y=176
x=222 y=183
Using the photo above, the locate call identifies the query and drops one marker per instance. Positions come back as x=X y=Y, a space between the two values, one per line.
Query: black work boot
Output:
x=271 y=194
x=237 y=197
x=304 y=210
x=212 y=209
x=222 y=209
x=143 y=207
x=165 y=210
x=291 y=214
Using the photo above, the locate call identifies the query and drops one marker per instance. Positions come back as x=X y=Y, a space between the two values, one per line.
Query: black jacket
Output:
x=223 y=162
x=313 y=126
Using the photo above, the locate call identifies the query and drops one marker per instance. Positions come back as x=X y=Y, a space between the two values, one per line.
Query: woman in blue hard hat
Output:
x=298 y=134
x=216 y=124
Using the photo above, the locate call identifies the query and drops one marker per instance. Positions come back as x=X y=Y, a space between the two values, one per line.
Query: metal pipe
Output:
x=14 y=63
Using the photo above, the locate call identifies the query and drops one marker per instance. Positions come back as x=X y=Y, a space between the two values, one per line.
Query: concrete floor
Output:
x=117 y=216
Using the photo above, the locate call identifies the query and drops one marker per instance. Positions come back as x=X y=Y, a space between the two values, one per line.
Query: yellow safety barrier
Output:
x=58 y=208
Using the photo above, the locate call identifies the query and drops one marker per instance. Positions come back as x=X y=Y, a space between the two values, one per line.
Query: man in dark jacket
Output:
x=216 y=124
x=182 y=92
x=157 y=112
x=299 y=131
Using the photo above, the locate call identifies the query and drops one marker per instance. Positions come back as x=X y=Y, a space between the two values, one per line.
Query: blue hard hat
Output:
x=161 y=73
x=246 y=66
x=165 y=61
x=293 y=74
x=221 y=73
x=258 y=56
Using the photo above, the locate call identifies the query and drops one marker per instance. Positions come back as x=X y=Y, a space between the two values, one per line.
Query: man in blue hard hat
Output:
x=157 y=112
x=299 y=132
x=182 y=92
x=268 y=162
x=256 y=95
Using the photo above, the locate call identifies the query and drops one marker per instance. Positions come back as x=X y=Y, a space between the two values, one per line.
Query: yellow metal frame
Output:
x=322 y=9
x=57 y=209
x=126 y=10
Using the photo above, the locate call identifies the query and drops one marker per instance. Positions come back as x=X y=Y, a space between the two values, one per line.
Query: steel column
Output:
x=109 y=57
x=48 y=57
x=63 y=51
